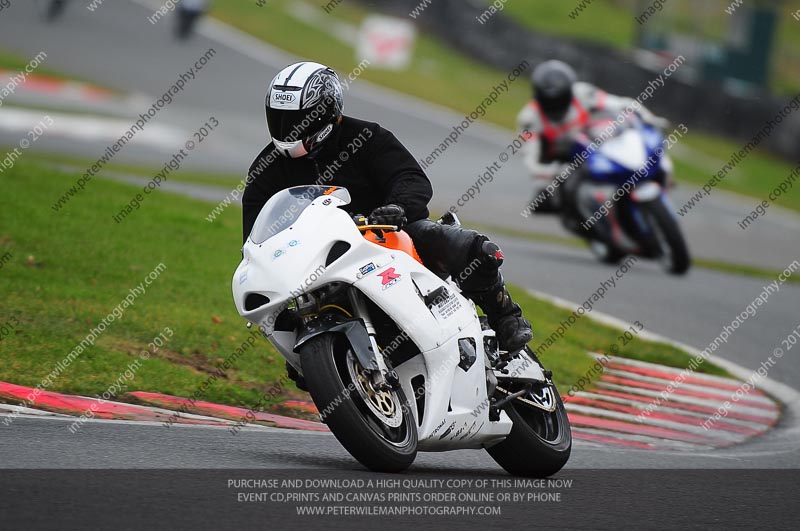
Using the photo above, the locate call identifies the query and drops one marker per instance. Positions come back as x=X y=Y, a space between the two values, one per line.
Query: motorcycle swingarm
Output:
x=352 y=329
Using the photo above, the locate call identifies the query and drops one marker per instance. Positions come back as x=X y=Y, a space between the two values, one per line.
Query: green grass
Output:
x=552 y=18
x=68 y=270
x=757 y=176
x=85 y=264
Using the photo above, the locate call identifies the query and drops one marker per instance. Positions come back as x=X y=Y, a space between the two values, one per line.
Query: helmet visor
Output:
x=293 y=125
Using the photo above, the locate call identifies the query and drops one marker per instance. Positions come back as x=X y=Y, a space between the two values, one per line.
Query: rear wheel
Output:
x=669 y=241
x=375 y=426
x=540 y=442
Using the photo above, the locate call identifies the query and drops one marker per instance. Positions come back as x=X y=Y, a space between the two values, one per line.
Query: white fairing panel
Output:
x=627 y=149
x=649 y=191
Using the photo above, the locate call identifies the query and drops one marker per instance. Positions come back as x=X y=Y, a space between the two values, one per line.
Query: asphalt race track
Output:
x=108 y=47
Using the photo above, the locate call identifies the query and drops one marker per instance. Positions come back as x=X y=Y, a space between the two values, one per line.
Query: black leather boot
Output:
x=505 y=317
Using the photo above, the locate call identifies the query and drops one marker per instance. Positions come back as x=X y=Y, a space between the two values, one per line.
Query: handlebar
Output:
x=389 y=228
x=363 y=225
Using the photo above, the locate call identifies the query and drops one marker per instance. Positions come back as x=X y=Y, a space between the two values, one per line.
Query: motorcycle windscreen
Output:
x=285 y=207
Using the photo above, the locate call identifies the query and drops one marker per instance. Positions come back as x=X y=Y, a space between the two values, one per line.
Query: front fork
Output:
x=383 y=378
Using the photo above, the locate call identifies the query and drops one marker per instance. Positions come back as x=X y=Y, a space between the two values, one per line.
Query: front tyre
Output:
x=672 y=248
x=540 y=442
x=376 y=427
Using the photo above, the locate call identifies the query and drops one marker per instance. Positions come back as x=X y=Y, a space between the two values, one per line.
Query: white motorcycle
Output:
x=395 y=358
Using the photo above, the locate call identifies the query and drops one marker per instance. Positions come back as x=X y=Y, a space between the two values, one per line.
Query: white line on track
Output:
x=87 y=128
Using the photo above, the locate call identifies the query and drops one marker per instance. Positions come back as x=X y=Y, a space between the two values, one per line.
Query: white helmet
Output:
x=304 y=104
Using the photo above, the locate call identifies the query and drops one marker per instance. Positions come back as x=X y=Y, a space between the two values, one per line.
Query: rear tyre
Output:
x=375 y=427
x=669 y=240
x=539 y=444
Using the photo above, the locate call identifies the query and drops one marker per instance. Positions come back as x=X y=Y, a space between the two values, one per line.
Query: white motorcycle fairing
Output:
x=446 y=384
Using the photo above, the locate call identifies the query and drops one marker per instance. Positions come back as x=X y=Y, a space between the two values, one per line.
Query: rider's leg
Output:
x=474 y=263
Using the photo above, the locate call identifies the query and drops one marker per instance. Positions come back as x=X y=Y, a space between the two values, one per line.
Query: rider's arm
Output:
x=600 y=100
x=258 y=189
x=398 y=174
x=620 y=103
x=532 y=157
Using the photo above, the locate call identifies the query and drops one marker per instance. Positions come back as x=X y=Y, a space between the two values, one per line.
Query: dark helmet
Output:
x=552 y=86
x=304 y=104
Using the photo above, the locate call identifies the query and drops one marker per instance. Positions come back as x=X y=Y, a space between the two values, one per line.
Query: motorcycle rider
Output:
x=314 y=143
x=561 y=107
x=188 y=13
x=54 y=10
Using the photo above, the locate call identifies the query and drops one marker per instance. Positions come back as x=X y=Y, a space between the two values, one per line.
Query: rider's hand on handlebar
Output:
x=659 y=122
x=389 y=215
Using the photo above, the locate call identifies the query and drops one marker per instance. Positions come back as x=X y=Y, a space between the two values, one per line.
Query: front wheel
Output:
x=376 y=427
x=540 y=442
x=671 y=245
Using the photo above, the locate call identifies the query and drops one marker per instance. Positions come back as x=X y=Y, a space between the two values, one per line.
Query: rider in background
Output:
x=54 y=10
x=188 y=13
x=561 y=107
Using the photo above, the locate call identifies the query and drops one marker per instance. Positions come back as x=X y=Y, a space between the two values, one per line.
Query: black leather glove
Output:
x=389 y=215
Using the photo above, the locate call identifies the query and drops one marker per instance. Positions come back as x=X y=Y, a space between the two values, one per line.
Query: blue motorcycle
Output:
x=620 y=194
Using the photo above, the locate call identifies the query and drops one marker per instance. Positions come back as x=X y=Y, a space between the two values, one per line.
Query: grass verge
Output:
x=63 y=273
x=68 y=270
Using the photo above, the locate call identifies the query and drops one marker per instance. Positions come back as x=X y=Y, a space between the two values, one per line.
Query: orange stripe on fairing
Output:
x=399 y=241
